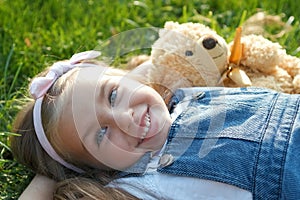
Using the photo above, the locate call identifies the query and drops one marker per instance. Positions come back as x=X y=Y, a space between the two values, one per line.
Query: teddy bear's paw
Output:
x=260 y=53
x=291 y=64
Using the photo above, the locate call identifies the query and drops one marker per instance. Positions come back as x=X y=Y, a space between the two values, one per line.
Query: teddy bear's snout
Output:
x=209 y=43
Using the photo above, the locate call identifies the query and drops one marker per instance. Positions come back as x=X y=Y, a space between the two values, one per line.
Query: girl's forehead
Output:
x=86 y=82
x=99 y=70
x=92 y=70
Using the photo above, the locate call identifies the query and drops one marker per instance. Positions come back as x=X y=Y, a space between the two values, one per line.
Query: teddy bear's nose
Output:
x=209 y=43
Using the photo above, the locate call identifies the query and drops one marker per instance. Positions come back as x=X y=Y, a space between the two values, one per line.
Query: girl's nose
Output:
x=124 y=120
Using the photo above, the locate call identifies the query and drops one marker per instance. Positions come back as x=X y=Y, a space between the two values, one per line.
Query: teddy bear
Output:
x=192 y=54
x=184 y=55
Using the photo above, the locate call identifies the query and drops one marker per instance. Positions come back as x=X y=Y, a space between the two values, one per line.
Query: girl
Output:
x=93 y=121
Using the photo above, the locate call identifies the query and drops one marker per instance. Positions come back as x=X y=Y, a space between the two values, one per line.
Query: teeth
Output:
x=147 y=123
x=147 y=127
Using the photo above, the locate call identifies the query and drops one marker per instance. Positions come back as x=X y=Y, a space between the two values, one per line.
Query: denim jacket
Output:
x=246 y=137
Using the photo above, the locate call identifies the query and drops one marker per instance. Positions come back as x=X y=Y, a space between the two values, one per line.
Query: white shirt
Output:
x=154 y=185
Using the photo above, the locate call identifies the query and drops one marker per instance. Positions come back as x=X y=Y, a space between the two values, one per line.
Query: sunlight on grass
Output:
x=34 y=34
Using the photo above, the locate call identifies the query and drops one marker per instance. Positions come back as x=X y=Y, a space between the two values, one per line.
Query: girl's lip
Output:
x=142 y=141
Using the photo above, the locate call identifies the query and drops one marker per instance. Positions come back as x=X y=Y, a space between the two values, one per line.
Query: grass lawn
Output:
x=34 y=34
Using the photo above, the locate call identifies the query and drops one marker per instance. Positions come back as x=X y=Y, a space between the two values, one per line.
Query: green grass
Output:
x=34 y=34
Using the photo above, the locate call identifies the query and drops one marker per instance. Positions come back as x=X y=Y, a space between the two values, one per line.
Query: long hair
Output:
x=28 y=151
x=26 y=147
x=86 y=188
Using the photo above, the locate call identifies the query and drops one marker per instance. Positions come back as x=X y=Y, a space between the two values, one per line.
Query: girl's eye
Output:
x=100 y=134
x=112 y=97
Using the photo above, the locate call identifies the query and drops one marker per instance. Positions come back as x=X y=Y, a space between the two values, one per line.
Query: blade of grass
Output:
x=12 y=86
x=6 y=68
x=4 y=145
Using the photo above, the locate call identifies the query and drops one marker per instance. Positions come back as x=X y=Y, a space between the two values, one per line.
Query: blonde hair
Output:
x=26 y=147
x=84 y=188
x=52 y=108
x=28 y=151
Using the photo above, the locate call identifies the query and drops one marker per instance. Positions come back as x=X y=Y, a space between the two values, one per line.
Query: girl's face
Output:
x=112 y=120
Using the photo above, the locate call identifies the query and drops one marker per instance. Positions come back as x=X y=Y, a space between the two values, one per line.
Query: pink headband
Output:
x=39 y=88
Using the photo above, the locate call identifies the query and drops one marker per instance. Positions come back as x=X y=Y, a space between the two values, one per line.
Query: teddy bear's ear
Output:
x=169 y=25
x=169 y=39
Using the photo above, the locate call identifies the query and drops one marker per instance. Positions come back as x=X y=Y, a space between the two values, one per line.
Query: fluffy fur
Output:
x=192 y=54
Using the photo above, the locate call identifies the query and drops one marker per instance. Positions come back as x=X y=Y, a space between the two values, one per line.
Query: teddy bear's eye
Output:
x=188 y=53
x=209 y=43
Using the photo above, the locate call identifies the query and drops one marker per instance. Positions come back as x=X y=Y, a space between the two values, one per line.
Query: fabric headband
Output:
x=39 y=87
